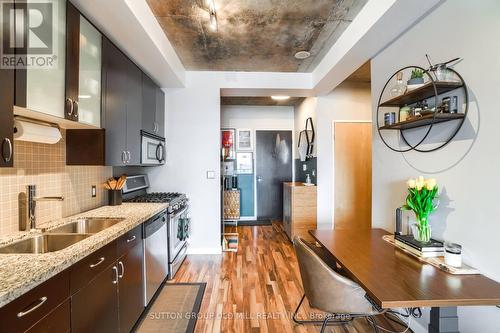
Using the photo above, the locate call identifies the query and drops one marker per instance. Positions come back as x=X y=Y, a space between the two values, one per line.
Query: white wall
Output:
x=347 y=102
x=192 y=136
x=467 y=168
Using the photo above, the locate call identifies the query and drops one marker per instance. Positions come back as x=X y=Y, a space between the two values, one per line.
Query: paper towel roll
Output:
x=27 y=131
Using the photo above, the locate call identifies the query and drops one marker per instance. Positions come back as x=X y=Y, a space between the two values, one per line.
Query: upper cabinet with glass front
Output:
x=39 y=52
x=83 y=70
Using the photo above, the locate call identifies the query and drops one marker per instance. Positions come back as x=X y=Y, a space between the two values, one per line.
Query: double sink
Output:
x=61 y=237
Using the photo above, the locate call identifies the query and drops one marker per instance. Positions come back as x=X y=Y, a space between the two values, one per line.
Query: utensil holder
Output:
x=114 y=197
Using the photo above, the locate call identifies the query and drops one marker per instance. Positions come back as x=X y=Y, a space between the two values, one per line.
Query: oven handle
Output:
x=181 y=253
x=176 y=214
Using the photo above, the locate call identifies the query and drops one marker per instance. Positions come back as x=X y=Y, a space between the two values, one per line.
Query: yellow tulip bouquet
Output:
x=421 y=195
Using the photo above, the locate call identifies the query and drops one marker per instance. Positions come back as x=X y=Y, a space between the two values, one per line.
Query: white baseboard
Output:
x=204 y=250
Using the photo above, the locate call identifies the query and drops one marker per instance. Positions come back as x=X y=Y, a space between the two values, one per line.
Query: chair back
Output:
x=326 y=289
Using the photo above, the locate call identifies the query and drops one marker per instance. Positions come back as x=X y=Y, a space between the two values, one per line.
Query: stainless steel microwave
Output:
x=152 y=149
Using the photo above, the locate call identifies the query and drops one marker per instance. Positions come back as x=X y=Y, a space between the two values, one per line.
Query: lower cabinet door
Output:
x=130 y=287
x=95 y=307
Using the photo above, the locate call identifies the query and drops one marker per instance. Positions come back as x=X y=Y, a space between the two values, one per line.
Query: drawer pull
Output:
x=40 y=303
x=131 y=239
x=97 y=263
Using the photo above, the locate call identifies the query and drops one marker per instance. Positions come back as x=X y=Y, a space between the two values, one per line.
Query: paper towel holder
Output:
x=35 y=121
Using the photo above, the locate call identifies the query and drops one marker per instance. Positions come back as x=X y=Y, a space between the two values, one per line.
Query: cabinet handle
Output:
x=40 y=303
x=70 y=111
x=101 y=259
x=75 y=108
x=9 y=143
x=122 y=269
x=129 y=156
x=131 y=239
x=115 y=269
x=124 y=157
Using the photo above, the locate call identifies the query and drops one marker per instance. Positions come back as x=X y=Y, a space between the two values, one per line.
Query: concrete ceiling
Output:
x=254 y=35
x=258 y=101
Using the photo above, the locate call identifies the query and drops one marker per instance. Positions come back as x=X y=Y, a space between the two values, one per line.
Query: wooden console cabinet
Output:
x=299 y=209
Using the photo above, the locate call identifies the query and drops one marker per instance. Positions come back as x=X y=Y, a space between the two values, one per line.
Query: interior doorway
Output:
x=352 y=175
x=273 y=168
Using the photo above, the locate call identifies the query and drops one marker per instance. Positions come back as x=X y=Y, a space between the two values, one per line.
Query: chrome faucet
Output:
x=31 y=203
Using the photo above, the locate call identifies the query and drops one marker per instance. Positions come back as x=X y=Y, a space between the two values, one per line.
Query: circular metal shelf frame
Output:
x=430 y=126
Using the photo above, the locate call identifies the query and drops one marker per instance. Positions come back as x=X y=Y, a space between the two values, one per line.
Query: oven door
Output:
x=152 y=150
x=176 y=236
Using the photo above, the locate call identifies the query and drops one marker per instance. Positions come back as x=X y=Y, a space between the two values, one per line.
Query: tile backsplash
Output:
x=45 y=166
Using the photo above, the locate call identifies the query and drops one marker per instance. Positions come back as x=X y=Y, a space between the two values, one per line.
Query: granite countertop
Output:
x=20 y=273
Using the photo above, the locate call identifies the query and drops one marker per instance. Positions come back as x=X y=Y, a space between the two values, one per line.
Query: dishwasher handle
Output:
x=153 y=225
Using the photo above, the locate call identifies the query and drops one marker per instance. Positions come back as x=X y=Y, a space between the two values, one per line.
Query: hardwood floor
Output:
x=256 y=289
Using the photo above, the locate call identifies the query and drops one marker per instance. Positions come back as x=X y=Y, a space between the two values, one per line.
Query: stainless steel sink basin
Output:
x=42 y=244
x=86 y=226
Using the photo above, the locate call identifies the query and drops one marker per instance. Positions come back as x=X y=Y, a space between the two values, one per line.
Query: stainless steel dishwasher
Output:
x=155 y=254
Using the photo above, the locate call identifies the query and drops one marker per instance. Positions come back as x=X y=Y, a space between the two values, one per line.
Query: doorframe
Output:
x=334 y=122
x=255 y=161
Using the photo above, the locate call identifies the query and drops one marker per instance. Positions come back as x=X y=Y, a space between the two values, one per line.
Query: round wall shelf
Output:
x=430 y=110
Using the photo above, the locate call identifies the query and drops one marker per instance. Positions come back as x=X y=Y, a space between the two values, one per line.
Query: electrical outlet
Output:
x=94 y=191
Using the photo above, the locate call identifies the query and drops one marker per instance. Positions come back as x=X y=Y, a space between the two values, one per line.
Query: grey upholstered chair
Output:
x=329 y=291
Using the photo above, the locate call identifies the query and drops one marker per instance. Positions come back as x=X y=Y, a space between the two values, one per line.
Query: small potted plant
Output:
x=421 y=196
x=416 y=79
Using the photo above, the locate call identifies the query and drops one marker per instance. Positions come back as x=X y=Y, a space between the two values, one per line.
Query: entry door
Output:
x=353 y=175
x=273 y=166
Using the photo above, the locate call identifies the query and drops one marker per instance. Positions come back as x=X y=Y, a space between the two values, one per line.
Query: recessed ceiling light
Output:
x=301 y=55
x=280 y=97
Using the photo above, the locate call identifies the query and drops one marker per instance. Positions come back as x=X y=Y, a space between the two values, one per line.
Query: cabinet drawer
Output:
x=89 y=267
x=27 y=310
x=129 y=240
x=58 y=321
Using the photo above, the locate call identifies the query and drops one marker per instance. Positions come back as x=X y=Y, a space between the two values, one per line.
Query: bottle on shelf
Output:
x=399 y=88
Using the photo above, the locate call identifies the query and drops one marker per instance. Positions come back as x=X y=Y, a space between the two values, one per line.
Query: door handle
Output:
x=70 y=104
x=115 y=270
x=75 y=108
x=9 y=156
x=122 y=269
x=259 y=179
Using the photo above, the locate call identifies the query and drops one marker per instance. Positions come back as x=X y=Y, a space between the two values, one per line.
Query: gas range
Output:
x=135 y=190
x=175 y=200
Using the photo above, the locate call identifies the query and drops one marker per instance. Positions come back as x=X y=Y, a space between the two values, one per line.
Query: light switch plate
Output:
x=210 y=174
x=304 y=167
x=94 y=191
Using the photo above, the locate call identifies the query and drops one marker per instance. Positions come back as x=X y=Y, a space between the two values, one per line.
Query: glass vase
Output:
x=422 y=230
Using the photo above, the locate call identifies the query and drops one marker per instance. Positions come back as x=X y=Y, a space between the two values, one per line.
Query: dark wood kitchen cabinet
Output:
x=149 y=123
x=160 y=112
x=95 y=307
x=6 y=117
x=122 y=107
x=153 y=107
x=130 y=287
x=113 y=300
x=36 y=310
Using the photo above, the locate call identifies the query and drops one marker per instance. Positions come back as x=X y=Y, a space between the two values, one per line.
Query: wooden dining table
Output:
x=394 y=279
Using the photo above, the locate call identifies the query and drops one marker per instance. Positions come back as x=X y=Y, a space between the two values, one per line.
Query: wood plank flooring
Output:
x=256 y=289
